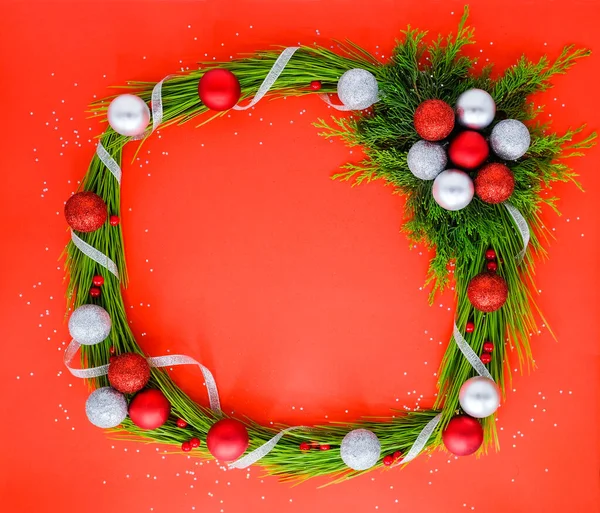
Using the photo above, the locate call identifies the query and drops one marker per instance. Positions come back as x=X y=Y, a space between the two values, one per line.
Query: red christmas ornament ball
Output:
x=492 y=266
x=315 y=85
x=468 y=150
x=490 y=254
x=485 y=358
x=85 y=211
x=487 y=292
x=114 y=220
x=128 y=373
x=463 y=435
x=219 y=89
x=186 y=446
x=470 y=327
x=434 y=120
x=195 y=442
x=149 y=409
x=98 y=280
x=488 y=346
x=494 y=183
x=95 y=292
x=181 y=423
x=227 y=439
x=388 y=460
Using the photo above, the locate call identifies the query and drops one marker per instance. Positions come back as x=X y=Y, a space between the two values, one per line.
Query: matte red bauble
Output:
x=128 y=373
x=227 y=439
x=85 y=211
x=487 y=291
x=219 y=89
x=463 y=435
x=149 y=409
x=468 y=150
x=494 y=183
x=434 y=120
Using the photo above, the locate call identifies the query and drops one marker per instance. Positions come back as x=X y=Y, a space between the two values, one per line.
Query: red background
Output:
x=298 y=292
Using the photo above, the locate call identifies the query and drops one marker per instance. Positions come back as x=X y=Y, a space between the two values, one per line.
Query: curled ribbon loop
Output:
x=327 y=100
x=272 y=76
x=153 y=361
x=470 y=355
x=421 y=440
x=263 y=450
x=522 y=227
x=109 y=162
x=94 y=254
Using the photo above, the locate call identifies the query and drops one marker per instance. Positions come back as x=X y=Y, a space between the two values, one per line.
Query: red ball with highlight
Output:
x=219 y=89
x=463 y=435
x=149 y=409
x=434 y=120
x=227 y=439
x=468 y=150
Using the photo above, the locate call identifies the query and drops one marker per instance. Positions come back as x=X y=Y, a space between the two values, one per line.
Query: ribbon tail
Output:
x=470 y=355
x=263 y=450
x=327 y=100
x=109 y=162
x=421 y=440
x=94 y=254
x=522 y=227
x=93 y=372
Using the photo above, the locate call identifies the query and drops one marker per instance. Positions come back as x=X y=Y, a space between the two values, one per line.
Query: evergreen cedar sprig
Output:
x=417 y=71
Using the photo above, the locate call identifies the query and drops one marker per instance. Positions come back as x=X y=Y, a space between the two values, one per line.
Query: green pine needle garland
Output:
x=417 y=71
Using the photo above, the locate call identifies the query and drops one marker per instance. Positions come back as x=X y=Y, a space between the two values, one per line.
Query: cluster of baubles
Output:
x=148 y=408
x=467 y=150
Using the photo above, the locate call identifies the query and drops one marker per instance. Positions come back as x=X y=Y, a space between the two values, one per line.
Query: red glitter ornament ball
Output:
x=227 y=439
x=219 y=89
x=488 y=346
x=149 y=409
x=434 y=120
x=128 y=373
x=85 y=211
x=468 y=150
x=485 y=358
x=487 y=291
x=494 y=183
x=315 y=85
x=463 y=435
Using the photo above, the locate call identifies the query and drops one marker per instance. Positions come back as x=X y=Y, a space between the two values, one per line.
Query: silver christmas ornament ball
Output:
x=510 y=139
x=106 y=408
x=128 y=115
x=358 y=89
x=426 y=160
x=89 y=324
x=360 y=449
x=479 y=397
x=453 y=189
x=475 y=109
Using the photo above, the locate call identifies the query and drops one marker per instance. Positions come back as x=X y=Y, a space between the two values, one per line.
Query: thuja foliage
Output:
x=418 y=70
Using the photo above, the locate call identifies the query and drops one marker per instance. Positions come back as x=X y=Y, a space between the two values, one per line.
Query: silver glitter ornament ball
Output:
x=360 y=449
x=453 y=189
x=426 y=160
x=128 y=115
x=106 y=408
x=89 y=324
x=358 y=89
x=475 y=109
x=479 y=397
x=510 y=139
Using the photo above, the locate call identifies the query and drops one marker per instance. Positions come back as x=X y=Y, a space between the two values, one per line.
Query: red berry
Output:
x=488 y=346
x=186 y=446
x=397 y=455
x=325 y=447
x=490 y=254
x=315 y=85
x=98 y=280
x=114 y=220
x=492 y=266
x=486 y=358
x=388 y=460
x=112 y=350
x=95 y=292
x=194 y=442
x=305 y=446
x=181 y=423
x=470 y=327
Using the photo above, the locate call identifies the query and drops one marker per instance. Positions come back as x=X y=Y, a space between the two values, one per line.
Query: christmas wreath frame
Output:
x=417 y=71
